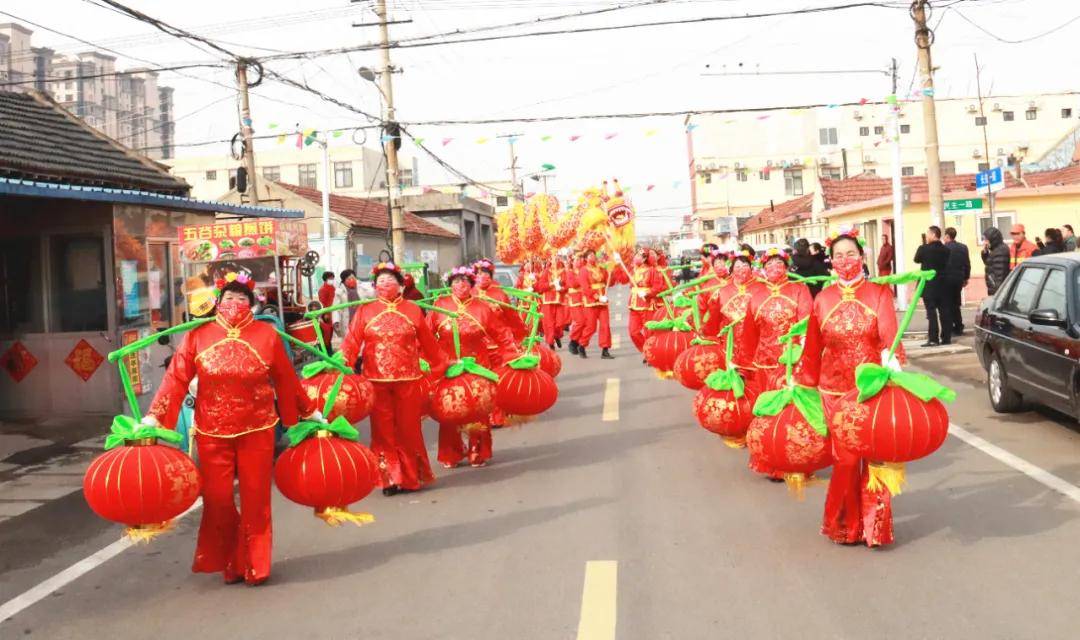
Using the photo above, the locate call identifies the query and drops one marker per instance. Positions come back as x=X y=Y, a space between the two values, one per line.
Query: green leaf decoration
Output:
x=807 y=402
x=468 y=365
x=703 y=341
x=525 y=362
x=791 y=355
x=334 y=363
x=305 y=429
x=425 y=366
x=871 y=378
x=727 y=380
x=671 y=324
x=127 y=428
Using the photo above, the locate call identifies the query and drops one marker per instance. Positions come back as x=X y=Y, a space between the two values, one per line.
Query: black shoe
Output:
x=606 y=355
x=574 y=347
x=558 y=343
x=644 y=362
x=392 y=490
x=946 y=343
x=581 y=352
x=930 y=344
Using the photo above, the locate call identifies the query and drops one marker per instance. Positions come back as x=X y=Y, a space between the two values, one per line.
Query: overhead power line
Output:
x=115 y=74
x=1021 y=40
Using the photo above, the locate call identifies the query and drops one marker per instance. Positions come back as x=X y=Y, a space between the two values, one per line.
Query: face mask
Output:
x=742 y=272
x=388 y=289
x=350 y=283
x=461 y=288
x=591 y=260
x=776 y=271
x=846 y=268
x=721 y=269
x=638 y=261
x=234 y=310
x=483 y=280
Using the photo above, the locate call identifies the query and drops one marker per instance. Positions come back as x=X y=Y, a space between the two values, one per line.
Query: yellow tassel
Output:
x=144 y=533
x=665 y=375
x=797 y=484
x=517 y=421
x=887 y=475
x=335 y=516
x=472 y=426
x=735 y=443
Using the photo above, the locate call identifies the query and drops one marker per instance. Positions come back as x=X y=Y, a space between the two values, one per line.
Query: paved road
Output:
x=702 y=549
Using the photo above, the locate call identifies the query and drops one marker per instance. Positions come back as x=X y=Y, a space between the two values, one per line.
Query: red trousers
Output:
x=550 y=323
x=577 y=323
x=452 y=448
x=596 y=318
x=396 y=436
x=235 y=543
x=637 y=327
x=853 y=513
x=564 y=317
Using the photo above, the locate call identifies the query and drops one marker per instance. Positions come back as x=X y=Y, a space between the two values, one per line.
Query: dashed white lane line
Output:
x=598 y=601
x=1038 y=474
x=611 y=400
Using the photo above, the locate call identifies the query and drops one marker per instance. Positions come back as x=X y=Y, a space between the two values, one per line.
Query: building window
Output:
x=1008 y=116
x=871 y=172
x=827 y=136
x=271 y=173
x=864 y=131
x=948 y=168
x=740 y=175
x=907 y=171
x=77 y=289
x=20 y=297
x=307 y=176
x=984 y=166
x=793 y=185
x=1066 y=113
x=708 y=225
x=905 y=128
x=764 y=174
x=406 y=178
x=501 y=201
x=1031 y=114
x=211 y=175
x=832 y=174
x=342 y=175
x=706 y=178
x=980 y=121
x=878 y=131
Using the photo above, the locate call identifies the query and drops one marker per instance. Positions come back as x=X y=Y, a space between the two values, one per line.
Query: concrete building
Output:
x=127 y=106
x=742 y=163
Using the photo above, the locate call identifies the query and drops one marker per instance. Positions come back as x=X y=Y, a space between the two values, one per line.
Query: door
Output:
x=1019 y=354
x=1052 y=365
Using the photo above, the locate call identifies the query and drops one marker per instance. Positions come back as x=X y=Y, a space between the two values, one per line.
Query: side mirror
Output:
x=1046 y=318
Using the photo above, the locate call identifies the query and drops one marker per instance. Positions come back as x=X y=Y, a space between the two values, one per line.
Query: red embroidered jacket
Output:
x=773 y=310
x=646 y=283
x=593 y=282
x=726 y=306
x=479 y=328
x=510 y=317
x=391 y=336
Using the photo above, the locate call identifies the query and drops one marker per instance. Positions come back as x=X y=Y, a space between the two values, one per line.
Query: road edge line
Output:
x=1036 y=473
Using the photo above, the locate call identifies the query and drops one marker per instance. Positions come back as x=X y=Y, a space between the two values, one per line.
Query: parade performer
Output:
x=488 y=288
x=478 y=326
x=242 y=365
x=720 y=271
x=593 y=281
x=327 y=294
x=853 y=322
x=551 y=286
x=575 y=304
x=392 y=335
x=646 y=284
x=729 y=305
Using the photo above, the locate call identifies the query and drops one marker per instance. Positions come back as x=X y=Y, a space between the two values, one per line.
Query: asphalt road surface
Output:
x=614 y=515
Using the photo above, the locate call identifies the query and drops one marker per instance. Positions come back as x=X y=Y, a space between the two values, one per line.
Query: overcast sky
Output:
x=635 y=70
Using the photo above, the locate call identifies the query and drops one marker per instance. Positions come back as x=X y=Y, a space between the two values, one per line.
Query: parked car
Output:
x=1027 y=336
x=506 y=274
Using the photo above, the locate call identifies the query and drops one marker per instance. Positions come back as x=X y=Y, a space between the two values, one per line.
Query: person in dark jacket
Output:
x=957 y=273
x=886 y=257
x=935 y=255
x=996 y=257
x=1055 y=243
x=806 y=265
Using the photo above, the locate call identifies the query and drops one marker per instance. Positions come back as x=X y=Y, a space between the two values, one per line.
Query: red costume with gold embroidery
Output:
x=725 y=306
x=773 y=310
x=574 y=302
x=242 y=366
x=479 y=327
x=391 y=336
x=851 y=325
x=646 y=284
x=593 y=281
x=551 y=286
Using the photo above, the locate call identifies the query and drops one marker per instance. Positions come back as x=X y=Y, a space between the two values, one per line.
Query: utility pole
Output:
x=325 y=144
x=245 y=131
x=924 y=37
x=986 y=136
x=511 y=139
x=391 y=137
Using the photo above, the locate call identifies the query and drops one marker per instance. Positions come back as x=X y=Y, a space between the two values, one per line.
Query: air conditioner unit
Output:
x=858 y=116
x=868 y=159
x=1033 y=105
x=769 y=163
x=823 y=160
x=997 y=106
x=976 y=153
x=972 y=109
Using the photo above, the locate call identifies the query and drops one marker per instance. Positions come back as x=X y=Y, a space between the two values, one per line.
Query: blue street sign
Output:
x=990 y=181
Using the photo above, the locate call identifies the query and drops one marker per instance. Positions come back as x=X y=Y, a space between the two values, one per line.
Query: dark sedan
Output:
x=1028 y=336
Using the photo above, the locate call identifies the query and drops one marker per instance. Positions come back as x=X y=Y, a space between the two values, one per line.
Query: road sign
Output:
x=990 y=181
x=966 y=204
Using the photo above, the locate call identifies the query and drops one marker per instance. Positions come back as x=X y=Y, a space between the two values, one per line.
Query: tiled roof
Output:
x=40 y=140
x=1066 y=175
x=781 y=214
x=369 y=213
x=865 y=187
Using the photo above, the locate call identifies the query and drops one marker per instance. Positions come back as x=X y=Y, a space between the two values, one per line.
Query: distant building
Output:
x=127 y=106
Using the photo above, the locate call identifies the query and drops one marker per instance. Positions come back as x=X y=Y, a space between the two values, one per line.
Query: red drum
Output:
x=303 y=331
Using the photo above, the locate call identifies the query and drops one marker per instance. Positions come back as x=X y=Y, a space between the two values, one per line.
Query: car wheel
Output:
x=1002 y=398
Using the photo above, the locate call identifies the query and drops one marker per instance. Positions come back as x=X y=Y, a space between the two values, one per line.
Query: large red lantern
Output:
x=787 y=443
x=696 y=363
x=550 y=361
x=525 y=392
x=354 y=401
x=463 y=400
x=141 y=484
x=724 y=414
x=662 y=347
x=328 y=473
x=426 y=388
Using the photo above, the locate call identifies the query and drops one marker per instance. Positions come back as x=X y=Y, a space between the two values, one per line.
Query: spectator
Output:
x=410 y=291
x=819 y=254
x=1069 y=236
x=327 y=293
x=1021 y=248
x=347 y=291
x=1055 y=243
x=806 y=265
x=996 y=257
x=886 y=257
x=957 y=273
x=935 y=255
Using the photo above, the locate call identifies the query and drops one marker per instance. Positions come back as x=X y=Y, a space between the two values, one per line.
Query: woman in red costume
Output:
x=551 y=286
x=242 y=366
x=478 y=328
x=392 y=335
x=720 y=271
x=729 y=305
x=645 y=285
x=853 y=322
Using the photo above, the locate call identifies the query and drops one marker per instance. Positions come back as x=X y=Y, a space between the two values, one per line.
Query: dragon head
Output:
x=619 y=211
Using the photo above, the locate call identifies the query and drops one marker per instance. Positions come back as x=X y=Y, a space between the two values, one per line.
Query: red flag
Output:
x=650 y=187
x=446 y=141
x=574 y=138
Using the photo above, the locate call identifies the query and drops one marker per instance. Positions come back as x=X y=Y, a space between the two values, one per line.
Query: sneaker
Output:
x=606 y=355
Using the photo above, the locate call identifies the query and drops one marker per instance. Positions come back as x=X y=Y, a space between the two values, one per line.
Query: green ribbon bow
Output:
x=871 y=378
x=334 y=363
x=670 y=324
x=525 y=362
x=703 y=341
x=727 y=380
x=468 y=365
x=683 y=302
x=791 y=355
x=127 y=428
x=807 y=401
x=304 y=429
x=425 y=366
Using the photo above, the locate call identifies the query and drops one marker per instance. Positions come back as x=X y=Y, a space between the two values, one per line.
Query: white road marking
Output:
x=618 y=317
x=611 y=400
x=1038 y=474
x=598 y=601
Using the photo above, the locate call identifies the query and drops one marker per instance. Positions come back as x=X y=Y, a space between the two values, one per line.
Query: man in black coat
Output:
x=935 y=255
x=996 y=257
x=957 y=273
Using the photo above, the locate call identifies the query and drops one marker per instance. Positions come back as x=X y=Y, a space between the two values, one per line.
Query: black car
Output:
x=1027 y=336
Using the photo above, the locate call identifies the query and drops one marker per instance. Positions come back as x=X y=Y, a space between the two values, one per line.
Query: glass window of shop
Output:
x=77 y=295
x=21 y=310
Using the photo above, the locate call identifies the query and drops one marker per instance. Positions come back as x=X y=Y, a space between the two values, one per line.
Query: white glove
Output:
x=149 y=421
x=603 y=299
x=889 y=363
x=315 y=416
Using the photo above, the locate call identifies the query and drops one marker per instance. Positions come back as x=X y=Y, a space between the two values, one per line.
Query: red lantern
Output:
x=354 y=400
x=427 y=387
x=696 y=363
x=465 y=399
x=328 y=473
x=787 y=443
x=725 y=415
x=525 y=392
x=549 y=360
x=663 y=347
x=141 y=484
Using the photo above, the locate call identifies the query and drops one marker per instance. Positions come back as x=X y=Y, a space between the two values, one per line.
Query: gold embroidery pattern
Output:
x=846 y=424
